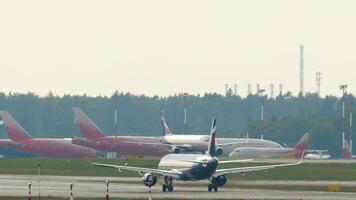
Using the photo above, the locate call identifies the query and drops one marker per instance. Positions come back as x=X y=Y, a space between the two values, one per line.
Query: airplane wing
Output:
x=141 y=170
x=220 y=172
x=235 y=161
x=183 y=147
x=220 y=162
x=149 y=143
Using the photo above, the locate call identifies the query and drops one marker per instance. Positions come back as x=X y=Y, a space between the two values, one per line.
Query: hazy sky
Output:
x=167 y=47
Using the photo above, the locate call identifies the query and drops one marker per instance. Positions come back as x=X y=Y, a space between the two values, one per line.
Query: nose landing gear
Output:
x=168 y=184
x=212 y=187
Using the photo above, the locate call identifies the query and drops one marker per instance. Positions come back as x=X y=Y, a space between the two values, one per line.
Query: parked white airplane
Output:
x=199 y=143
x=267 y=152
x=193 y=167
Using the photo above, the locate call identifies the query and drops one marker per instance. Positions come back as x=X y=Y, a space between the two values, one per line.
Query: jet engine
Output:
x=149 y=179
x=219 y=181
x=175 y=150
x=219 y=151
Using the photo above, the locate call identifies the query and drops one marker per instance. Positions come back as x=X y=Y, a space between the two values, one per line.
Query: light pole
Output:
x=343 y=88
x=351 y=133
x=71 y=192
x=261 y=91
x=29 y=190
x=107 y=189
x=116 y=132
x=39 y=180
x=185 y=112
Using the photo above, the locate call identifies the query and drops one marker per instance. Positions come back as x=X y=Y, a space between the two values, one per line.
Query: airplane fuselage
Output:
x=199 y=143
x=252 y=152
x=128 y=146
x=202 y=169
x=49 y=147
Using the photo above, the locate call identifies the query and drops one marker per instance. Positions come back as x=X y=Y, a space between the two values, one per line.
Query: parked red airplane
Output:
x=22 y=141
x=122 y=145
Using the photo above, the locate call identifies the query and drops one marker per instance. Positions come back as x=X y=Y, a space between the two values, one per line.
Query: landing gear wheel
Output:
x=215 y=188
x=164 y=188
x=210 y=187
x=170 y=188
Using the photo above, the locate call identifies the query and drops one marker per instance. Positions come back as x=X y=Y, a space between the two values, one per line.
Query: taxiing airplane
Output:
x=95 y=138
x=199 y=143
x=263 y=152
x=21 y=140
x=192 y=167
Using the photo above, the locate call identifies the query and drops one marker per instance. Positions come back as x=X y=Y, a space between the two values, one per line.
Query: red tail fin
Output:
x=87 y=127
x=303 y=143
x=347 y=154
x=166 y=130
x=13 y=128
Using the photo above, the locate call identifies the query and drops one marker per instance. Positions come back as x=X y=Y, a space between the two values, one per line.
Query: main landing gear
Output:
x=212 y=187
x=167 y=186
x=216 y=182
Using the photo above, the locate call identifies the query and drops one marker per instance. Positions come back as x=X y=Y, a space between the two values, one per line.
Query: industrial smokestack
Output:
x=258 y=88
x=281 y=89
x=272 y=90
x=235 y=89
x=301 y=70
x=249 y=89
x=226 y=89
x=318 y=78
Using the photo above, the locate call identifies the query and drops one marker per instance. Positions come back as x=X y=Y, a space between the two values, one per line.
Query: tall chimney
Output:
x=249 y=89
x=272 y=90
x=235 y=89
x=226 y=89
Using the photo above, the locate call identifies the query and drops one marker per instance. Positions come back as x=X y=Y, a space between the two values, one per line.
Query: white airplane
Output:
x=193 y=167
x=263 y=152
x=199 y=143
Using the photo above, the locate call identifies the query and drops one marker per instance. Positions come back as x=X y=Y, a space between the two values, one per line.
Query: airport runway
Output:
x=17 y=185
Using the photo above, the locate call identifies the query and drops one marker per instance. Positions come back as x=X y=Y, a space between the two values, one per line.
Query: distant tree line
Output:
x=287 y=117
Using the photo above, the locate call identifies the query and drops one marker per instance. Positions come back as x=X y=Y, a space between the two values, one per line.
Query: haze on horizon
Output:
x=167 y=47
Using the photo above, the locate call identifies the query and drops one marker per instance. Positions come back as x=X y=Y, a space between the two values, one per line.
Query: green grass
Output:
x=82 y=167
x=69 y=167
x=306 y=171
x=76 y=198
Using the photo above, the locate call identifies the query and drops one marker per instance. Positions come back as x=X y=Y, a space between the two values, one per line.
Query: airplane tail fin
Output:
x=166 y=130
x=303 y=143
x=13 y=128
x=212 y=145
x=347 y=154
x=87 y=127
